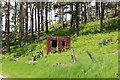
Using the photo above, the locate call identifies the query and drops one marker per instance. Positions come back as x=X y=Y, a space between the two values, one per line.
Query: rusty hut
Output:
x=57 y=42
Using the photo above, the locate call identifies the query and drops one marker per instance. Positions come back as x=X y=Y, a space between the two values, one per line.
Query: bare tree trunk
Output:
x=77 y=19
x=8 y=27
x=1 y=27
x=21 y=22
x=46 y=16
x=88 y=11
x=59 y=14
x=38 y=35
x=22 y=28
x=85 y=16
x=42 y=25
x=103 y=10
x=101 y=16
x=35 y=20
x=15 y=21
x=115 y=8
x=72 y=14
x=97 y=9
x=32 y=21
x=62 y=13
x=66 y=17
x=26 y=26
x=51 y=17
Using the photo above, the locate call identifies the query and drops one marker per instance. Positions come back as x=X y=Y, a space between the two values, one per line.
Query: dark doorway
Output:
x=54 y=43
x=63 y=43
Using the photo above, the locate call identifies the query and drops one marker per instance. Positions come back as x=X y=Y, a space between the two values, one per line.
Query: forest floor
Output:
x=102 y=46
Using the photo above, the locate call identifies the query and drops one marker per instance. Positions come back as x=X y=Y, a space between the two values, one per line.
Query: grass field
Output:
x=106 y=57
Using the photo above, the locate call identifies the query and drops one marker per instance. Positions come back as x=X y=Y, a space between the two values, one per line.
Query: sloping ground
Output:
x=60 y=65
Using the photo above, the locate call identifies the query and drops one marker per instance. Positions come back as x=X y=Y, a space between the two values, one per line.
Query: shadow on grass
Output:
x=112 y=25
x=94 y=28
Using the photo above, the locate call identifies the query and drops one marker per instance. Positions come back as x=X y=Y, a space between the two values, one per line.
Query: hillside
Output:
x=102 y=46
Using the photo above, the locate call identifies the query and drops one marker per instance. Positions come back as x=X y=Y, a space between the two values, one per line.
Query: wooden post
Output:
x=73 y=56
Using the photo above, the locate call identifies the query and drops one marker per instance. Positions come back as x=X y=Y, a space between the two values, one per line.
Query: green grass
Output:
x=106 y=64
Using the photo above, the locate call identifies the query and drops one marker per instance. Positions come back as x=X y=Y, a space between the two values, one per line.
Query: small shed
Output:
x=58 y=42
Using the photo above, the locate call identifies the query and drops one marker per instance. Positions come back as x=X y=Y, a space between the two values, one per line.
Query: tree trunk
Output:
x=46 y=16
x=42 y=25
x=115 y=8
x=71 y=22
x=97 y=9
x=38 y=35
x=32 y=21
x=35 y=20
x=101 y=17
x=66 y=17
x=0 y=24
x=49 y=20
x=51 y=17
x=26 y=26
x=85 y=16
x=8 y=27
x=15 y=21
x=77 y=19
x=21 y=22
x=62 y=13
x=103 y=10
x=88 y=11
x=22 y=28
x=72 y=28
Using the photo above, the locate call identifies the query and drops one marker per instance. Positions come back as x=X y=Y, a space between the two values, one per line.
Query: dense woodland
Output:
x=80 y=13
x=92 y=29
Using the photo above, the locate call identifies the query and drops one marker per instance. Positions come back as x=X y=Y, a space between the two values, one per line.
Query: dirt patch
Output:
x=117 y=52
x=31 y=62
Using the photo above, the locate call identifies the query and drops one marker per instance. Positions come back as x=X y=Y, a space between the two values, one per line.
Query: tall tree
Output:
x=0 y=24
x=71 y=22
x=88 y=11
x=97 y=9
x=103 y=9
x=115 y=8
x=38 y=10
x=7 y=25
x=101 y=17
x=46 y=17
x=35 y=19
x=21 y=23
x=62 y=13
x=15 y=20
x=26 y=23
x=85 y=16
x=32 y=19
x=77 y=18
x=42 y=25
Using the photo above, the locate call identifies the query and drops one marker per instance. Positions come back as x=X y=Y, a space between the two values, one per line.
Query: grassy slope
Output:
x=106 y=64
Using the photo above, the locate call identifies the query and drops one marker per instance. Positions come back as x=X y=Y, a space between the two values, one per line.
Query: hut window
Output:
x=63 y=43
x=54 y=43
